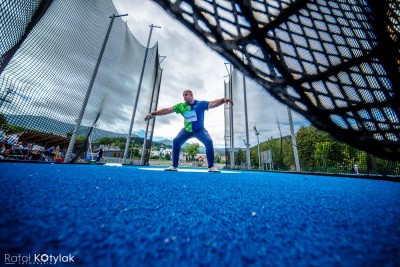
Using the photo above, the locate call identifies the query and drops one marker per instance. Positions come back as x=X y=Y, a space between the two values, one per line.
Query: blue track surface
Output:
x=125 y=216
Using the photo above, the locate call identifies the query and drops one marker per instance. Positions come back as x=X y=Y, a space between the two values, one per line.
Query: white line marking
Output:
x=113 y=164
x=185 y=170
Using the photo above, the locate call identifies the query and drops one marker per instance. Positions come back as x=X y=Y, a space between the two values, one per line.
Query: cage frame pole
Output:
x=89 y=90
x=232 y=153
x=128 y=139
x=156 y=89
x=247 y=143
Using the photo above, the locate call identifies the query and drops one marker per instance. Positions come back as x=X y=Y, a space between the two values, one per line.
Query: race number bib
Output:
x=190 y=116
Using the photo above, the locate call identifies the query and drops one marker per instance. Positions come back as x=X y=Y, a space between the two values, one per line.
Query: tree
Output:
x=80 y=138
x=192 y=150
x=3 y=121
x=254 y=156
x=136 y=152
x=167 y=156
x=321 y=153
x=307 y=138
x=240 y=157
x=121 y=145
x=15 y=129
x=318 y=149
x=217 y=158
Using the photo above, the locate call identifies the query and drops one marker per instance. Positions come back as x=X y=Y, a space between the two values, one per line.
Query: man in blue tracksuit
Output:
x=193 y=112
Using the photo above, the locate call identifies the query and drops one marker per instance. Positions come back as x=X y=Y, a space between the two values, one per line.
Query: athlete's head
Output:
x=188 y=96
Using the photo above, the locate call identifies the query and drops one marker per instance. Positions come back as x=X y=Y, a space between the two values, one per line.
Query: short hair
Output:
x=188 y=91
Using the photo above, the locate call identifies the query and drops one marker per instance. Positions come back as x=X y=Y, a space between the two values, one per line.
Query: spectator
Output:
x=99 y=153
x=11 y=141
x=50 y=153
x=355 y=167
x=3 y=135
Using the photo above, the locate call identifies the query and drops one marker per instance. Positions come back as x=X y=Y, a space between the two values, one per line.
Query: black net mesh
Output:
x=283 y=140
x=335 y=62
x=44 y=84
x=270 y=128
x=17 y=18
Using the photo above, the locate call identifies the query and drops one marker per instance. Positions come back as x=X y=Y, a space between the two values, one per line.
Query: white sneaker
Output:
x=213 y=169
x=171 y=168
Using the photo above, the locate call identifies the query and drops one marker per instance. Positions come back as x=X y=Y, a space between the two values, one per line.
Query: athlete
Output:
x=193 y=112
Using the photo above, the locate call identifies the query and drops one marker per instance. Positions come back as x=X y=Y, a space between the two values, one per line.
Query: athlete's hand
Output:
x=228 y=100
x=148 y=116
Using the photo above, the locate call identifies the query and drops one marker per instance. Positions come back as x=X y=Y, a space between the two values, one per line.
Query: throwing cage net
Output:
x=49 y=51
x=268 y=130
x=334 y=62
x=280 y=139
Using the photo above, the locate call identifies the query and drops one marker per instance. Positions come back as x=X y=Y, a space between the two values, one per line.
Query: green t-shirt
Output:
x=193 y=114
x=181 y=108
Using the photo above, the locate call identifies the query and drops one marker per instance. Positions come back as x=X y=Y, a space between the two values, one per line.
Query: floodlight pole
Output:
x=128 y=140
x=231 y=115
x=231 y=132
x=89 y=90
x=258 y=145
x=294 y=143
x=248 y=164
x=247 y=149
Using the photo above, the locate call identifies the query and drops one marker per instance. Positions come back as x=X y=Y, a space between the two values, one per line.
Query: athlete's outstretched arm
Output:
x=163 y=111
x=218 y=102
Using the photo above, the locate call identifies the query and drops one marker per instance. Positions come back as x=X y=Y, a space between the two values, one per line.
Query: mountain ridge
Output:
x=64 y=128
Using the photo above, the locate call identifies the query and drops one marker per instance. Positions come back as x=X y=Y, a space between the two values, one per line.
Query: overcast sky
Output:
x=189 y=64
